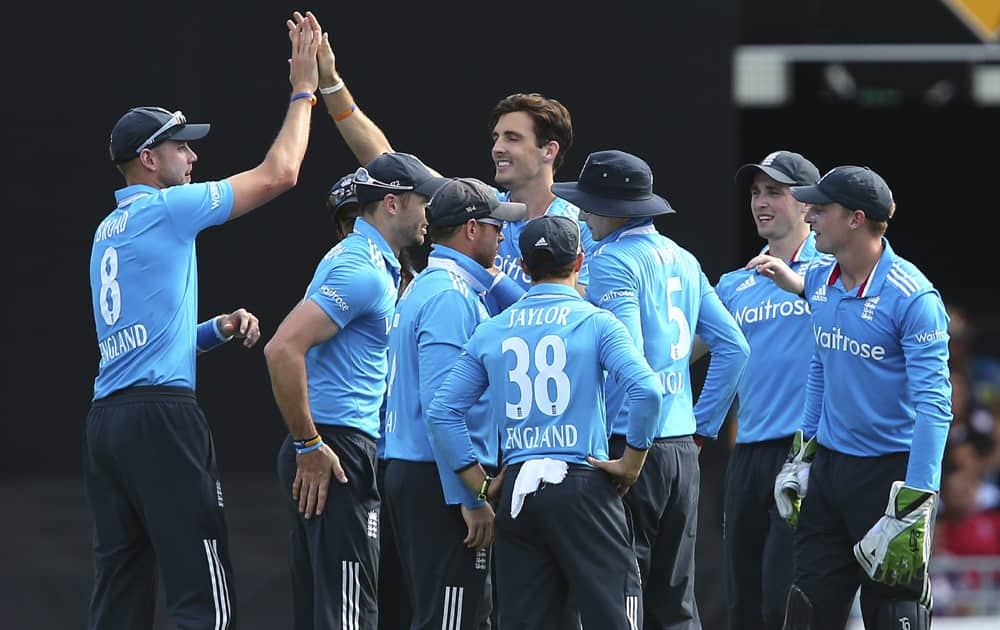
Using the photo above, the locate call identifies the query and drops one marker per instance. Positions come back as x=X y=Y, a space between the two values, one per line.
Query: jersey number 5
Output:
x=683 y=346
x=537 y=391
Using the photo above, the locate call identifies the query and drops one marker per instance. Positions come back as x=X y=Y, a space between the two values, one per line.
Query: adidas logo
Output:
x=746 y=284
x=541 y=242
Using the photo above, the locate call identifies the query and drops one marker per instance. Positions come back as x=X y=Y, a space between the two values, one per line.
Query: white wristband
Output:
x=333 y=88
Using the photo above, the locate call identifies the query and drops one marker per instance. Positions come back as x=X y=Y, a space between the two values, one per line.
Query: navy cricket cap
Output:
x=395 y=173
x=786 y=167
x=549 y=241
x=855 y=188
x=465 y=198
x=144 y=127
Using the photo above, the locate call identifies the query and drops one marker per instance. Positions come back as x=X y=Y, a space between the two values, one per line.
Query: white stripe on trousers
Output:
x=220 y=586
x=451 y=616
x=350 y=595
x=632 y=611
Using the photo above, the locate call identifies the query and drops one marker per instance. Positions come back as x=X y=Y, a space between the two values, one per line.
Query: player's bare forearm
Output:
x=291 y=391
x=362 y=136
x=473 y=477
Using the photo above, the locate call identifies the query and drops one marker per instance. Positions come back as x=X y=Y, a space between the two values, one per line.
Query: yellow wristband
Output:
x=483 y=489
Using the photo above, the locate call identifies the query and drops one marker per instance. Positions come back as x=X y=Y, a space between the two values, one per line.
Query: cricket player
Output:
x=658 y=291
x=562 y=537
x=866 y=466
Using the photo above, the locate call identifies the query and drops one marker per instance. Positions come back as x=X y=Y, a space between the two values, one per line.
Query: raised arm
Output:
x=363 y=137
x=279 y=171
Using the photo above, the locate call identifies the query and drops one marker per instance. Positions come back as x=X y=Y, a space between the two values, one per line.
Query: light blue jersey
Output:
x=508 y=257
x=879 y=381
x=777 y=326
x=544 y=360
x=144 y=283
x=355 y=284
x=658 y=291
x=435 y=317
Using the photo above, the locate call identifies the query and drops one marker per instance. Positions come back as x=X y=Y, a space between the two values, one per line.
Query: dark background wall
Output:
x=653 y=79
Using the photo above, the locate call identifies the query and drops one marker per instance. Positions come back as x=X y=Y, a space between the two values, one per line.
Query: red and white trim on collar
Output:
x=863 y=287
x=795 y=255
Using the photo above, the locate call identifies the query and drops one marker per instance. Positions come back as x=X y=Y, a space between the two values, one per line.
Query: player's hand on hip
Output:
x=479 y=520
x=312 y=479
x=495 y=487
x=897 y=548
x=623 y=471
x=242 y=324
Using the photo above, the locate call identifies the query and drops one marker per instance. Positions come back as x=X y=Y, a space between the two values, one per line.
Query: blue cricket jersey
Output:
x=776 y=323
x=355 y=284
x=878 y=381
x=144 y=283
x=435 y=317
x=657 y=289
x=544 y=360
x=508 y=257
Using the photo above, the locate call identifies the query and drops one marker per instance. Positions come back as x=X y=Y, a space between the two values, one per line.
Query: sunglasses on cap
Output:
x=177 y=119
x=341 y=192
x=362 y=176
x=494 y=222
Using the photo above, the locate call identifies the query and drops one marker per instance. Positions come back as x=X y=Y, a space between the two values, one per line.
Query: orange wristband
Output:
x=345 y=114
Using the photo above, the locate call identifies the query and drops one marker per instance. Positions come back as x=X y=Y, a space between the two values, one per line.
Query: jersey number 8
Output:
x=110 y=296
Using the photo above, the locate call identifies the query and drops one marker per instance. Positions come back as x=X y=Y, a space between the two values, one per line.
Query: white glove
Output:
x=896 y=549
x=792 y=482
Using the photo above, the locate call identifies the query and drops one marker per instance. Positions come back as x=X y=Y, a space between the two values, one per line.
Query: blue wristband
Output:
x=308 y=95
x=308 y=449
x=209 y=337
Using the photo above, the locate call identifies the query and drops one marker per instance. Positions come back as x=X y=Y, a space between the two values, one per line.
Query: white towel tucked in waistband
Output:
x=533 y=473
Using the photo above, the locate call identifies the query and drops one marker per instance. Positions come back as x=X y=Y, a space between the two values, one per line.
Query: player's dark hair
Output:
x=551 y=120
x=543 y=268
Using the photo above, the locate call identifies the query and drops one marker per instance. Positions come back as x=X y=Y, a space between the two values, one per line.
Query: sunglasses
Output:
x=177 y=119
x=362 y=176
x=494 y=222
x=340 y=193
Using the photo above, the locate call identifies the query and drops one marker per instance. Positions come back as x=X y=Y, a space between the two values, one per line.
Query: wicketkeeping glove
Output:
x=792 y=482
x=897 y=548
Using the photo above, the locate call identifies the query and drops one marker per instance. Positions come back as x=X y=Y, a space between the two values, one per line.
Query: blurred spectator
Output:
x=974 y=437
x=972 y=440
x=963 y=528
x=983 y=370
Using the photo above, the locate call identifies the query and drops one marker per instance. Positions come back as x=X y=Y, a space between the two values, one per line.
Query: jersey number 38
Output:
x=549 y=362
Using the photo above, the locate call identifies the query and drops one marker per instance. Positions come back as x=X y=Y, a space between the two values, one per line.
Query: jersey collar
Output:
x=443 y=257
x=635 y=227
x=872 y=285
x=805 y=251
x=550 y=289
x=375 y=237
x=125 y=196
